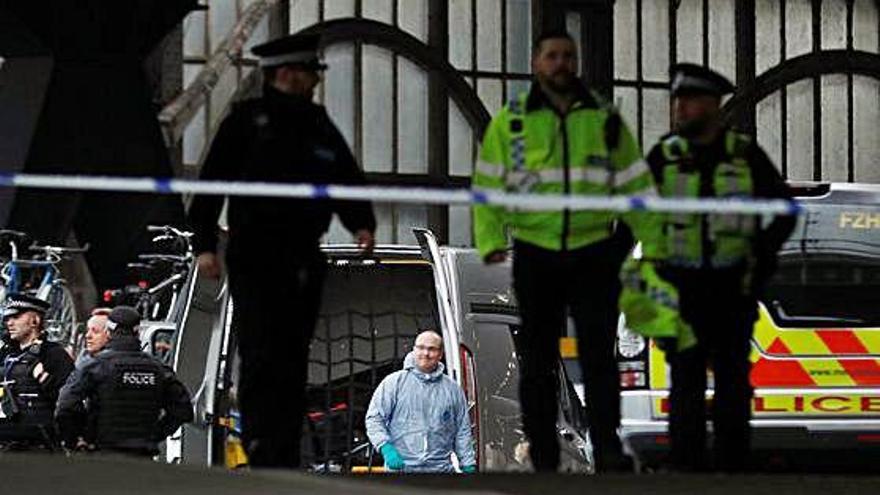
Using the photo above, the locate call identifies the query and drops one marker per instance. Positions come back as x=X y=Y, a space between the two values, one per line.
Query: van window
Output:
x=827 y=292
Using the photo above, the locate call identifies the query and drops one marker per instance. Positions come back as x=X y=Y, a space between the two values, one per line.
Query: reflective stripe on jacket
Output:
x=530 y=147
x=716 y=240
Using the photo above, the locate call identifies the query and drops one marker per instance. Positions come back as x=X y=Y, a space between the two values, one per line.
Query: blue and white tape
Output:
x=406 y=195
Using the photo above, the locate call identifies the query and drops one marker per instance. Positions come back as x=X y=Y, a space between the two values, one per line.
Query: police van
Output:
x=372 y=309
x=815 y=350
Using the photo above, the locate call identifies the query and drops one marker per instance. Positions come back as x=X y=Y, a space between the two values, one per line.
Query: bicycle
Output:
x=161 y=277
x=41 y=276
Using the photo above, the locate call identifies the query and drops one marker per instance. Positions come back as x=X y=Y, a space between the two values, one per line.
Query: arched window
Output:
x=806 y=71
x=413 y=97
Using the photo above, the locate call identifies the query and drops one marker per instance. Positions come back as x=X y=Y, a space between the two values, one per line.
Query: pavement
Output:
x=23 y=474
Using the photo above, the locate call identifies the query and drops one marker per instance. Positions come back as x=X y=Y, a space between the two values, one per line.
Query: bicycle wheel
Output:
x=61 y=322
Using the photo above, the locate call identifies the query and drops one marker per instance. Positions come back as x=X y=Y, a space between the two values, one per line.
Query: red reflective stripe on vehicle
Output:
x=769 y=373
x=842 y=342
x=862 y=372
x=778 y=347
x=774 y=373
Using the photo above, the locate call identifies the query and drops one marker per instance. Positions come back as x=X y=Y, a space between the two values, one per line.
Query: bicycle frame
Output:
x=12 y=276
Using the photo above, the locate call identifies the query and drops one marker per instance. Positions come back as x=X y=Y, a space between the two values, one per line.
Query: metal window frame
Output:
x=811 y=66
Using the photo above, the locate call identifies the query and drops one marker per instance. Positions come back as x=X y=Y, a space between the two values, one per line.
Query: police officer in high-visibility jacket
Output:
x=561 y=138
x=717 y=262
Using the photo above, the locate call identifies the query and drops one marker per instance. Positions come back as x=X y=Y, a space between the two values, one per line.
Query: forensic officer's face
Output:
x=555 y=63
x=428 y=351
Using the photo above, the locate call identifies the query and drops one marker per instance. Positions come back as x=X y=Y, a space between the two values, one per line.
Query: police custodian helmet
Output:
x=693 y=79
x=299 y=50
x=17 y=304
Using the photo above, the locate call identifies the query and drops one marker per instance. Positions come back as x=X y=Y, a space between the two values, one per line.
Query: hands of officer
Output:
x=495 y=257
x=40 y=373
x=366 y=241
x=392 y=457
x=209 y=265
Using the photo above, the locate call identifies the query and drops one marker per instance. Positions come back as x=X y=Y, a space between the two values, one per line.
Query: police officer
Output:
x=561 y=138
x=33 y=372
x=276 y=270
x=122 y=400
x=717 y=263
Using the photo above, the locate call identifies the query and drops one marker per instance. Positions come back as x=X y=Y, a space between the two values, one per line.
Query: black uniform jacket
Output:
x=277 y=138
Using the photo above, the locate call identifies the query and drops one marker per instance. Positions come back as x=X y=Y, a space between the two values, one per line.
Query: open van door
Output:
x=199 y=359
x=445 y=300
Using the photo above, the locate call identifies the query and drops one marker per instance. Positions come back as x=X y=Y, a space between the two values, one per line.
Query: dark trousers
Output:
x=723 y=320
x=549 y=285
x=275 y=309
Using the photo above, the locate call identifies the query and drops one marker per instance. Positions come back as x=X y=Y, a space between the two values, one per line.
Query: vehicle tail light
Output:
x=469 y=385
x=868 y=438
x=632 y=374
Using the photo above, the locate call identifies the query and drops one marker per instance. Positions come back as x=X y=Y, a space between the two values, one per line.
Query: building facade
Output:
x=412 y=83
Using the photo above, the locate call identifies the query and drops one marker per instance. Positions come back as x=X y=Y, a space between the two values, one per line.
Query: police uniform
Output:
x=718 y=265
x=28 y=401
x=123 y=400
x=564 y=261
x=276 y=270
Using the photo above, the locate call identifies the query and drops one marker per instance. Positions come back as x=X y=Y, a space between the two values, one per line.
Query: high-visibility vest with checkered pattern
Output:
x=539 y=151
x=650 y=305
x=721 y=240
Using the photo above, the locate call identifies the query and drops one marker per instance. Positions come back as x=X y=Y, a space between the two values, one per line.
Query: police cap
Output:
x=17 y=304
x=692 y=79
x=300 y=50
x=123 y=319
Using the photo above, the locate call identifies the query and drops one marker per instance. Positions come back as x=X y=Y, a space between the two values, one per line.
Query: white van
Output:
x=371 y=312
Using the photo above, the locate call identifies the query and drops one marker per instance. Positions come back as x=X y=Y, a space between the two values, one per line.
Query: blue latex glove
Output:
x=469 y=469
x=392 y=457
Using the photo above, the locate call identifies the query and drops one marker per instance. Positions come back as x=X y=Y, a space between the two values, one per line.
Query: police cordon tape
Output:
x=405 y=195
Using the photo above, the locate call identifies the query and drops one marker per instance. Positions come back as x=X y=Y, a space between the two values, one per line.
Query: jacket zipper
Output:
x=566 y=213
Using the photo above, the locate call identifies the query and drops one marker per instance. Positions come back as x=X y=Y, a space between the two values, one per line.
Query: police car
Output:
x=815 y=350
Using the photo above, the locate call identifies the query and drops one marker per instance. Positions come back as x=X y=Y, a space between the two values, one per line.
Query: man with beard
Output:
x=718 y=263
x=560 y=138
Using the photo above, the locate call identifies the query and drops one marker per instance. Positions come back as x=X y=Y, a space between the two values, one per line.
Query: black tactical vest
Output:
x=129 y=400
x=34 y=405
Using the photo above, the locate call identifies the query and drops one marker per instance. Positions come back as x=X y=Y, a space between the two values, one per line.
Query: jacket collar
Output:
x=124 y=343
x=583 y=97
